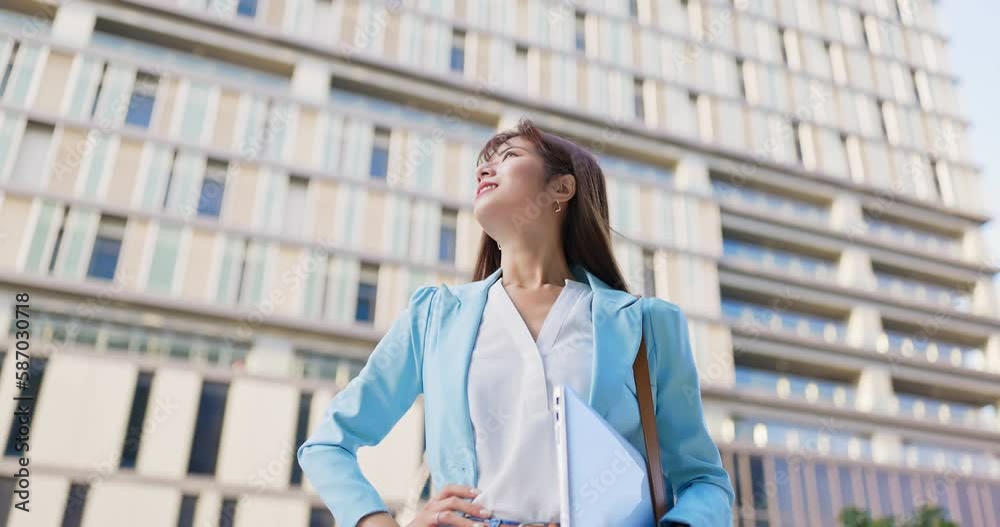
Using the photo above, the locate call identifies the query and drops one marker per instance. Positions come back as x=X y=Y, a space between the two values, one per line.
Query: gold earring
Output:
x=558 y=207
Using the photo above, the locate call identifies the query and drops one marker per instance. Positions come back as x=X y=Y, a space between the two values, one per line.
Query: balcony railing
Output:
x=749 y=315
x=793 y=436
x=935 y=351
x=779 y=260
x=943 y=458
x=946 y=413
x=772 y=203
x=913 y=237
x=800 y=388
x=920 y=291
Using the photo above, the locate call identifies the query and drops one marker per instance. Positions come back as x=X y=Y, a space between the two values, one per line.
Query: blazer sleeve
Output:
x=364 y=412
x=690 y=458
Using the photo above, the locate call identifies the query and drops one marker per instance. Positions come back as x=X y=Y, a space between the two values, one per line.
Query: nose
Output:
x=484 y=171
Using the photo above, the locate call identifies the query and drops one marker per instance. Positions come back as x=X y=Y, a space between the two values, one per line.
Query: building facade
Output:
x=211 y=210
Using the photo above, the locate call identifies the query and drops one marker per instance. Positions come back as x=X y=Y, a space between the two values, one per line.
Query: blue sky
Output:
x=975 y=42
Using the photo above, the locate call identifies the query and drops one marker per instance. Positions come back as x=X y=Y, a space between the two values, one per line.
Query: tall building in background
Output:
x=218 y=207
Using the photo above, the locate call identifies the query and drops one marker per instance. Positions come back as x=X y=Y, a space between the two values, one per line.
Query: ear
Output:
x=563 y=187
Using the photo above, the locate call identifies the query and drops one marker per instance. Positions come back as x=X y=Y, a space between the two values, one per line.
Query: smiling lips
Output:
x=485 y=188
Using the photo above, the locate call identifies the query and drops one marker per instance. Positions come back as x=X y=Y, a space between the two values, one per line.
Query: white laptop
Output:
x=602 y=477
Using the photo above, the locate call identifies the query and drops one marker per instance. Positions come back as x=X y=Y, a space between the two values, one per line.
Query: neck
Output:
x=531 y=265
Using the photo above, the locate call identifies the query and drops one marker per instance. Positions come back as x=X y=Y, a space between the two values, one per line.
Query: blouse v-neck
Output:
x=553 y=320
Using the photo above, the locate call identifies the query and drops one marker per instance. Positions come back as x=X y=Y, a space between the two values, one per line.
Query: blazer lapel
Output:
x=617 y=317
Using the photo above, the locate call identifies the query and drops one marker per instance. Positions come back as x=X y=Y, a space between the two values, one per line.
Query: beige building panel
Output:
x=130 y=259
x=372 y=217
x=13 y=231
x=324 y=210
x=170 y=419
x=67 y=160
x=287 y=280
x=240 y=193
x=392 y=32
x=392 y=465
x=304 y=149
x=263 y=411
x=317 y=411
x=225 y=122
x=123 y=175
x=275 y=13
x=48 y=502
x=53 y=84
x=82 y=412
x=257 y=510
x=131 y=503
x=197 y=282
x=166 y=100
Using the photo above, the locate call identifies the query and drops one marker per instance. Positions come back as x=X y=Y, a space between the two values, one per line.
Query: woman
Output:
x=548 y=306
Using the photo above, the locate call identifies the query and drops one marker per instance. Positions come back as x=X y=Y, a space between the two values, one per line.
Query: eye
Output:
x=507 y=153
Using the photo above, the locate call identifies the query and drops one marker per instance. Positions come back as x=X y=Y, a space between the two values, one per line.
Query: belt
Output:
x=496 y=522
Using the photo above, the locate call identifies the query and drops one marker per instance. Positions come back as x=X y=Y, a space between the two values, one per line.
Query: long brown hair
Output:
x=586 y=230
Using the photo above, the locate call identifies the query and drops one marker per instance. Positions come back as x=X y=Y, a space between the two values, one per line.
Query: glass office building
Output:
x=218 y=207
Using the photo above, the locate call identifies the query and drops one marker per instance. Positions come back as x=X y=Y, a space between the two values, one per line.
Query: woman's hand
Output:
x=445 y=509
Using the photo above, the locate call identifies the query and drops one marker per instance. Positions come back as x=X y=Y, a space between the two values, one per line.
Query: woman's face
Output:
x=511 y=184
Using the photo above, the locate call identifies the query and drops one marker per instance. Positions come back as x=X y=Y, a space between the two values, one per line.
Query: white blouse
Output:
x=511 y=378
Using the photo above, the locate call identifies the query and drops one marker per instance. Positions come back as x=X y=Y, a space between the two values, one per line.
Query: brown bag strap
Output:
x=647 y=415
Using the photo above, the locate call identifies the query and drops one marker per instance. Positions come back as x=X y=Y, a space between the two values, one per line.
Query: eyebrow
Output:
x=500 y=153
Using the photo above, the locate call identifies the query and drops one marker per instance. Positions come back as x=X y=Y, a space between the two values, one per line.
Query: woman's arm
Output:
x=363 y=413
x=689 y=457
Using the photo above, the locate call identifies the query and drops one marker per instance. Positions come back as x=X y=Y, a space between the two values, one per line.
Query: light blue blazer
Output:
x=427 y=351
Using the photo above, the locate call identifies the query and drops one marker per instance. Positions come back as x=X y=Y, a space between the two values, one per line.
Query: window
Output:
x=75 y=502
x=648 y=273
x=212 y=189
x=59 y=236
x=448 y=236
x=320 y=517
x=9 y=68
x=140 y=105
x=185 y=518
x=31 y=155
x=247 y=8
x=741 y=75
x=100 y=88
x=457 y=63
x=380 y=153
x=581 y=31
x=783 y=44
x=633 y=9
x=163 y=265
x=942 y=182
x=136 y=419
x=301 y=432
x=797 y=135
x=227 y=516
x=208 y=428
x=18 y=436
x=107 y=246
x=637 y=96
x=295 y=205
x=521 y=61
x=367 y=290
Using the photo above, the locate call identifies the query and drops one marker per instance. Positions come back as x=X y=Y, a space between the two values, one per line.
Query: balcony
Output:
x=772 y=259
x=916 y=238
x=798 y=387
x=791 y=208
x=749 y=315
x=950 y=413
x=933 y=351
x=821 y=440
x=913 y=289
x=947 y=458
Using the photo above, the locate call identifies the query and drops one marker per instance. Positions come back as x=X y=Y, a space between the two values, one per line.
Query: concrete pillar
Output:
x=847 y=216
x=874 y=392
x=973 y=246
x=311 y=79
x=887 y=447
x=984 y=298
x=855 y=269
x=7 y=302
x=271 y=356
x=691 y=175
x=74 y=23
x=993 y=355
x=864 y=327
